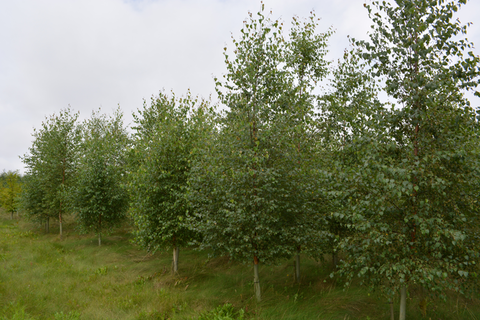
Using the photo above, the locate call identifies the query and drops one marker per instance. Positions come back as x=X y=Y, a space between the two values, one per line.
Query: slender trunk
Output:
x=297 y=266
x=60 y=213
x=403 y=302
x=47 y=225
x=60 y=220
x=100 y=230
x=175 y=260
x=256 y=279
x=61 y=229
x=12 y=215
x=392 y=313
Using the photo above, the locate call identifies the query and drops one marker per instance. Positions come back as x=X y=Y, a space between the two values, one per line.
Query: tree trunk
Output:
x=256 y=279
x=47 y=225
x=392 y=313
x=175 y=260
x=12 y=215
x=403 y=302
x=297 y=266
x=60 y=220
x=99 y=230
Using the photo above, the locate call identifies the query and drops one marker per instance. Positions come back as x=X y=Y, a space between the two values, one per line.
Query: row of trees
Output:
x=393 y=185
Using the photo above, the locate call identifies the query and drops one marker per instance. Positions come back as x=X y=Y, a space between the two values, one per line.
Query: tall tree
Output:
x=10 y=192
x=247 y=186
x=100 y=198
x=412 y=190
x=306 y=66
x=166 y=132
x=52 y=163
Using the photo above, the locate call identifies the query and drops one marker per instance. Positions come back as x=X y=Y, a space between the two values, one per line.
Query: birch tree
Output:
x=51 y=163
x=101 y=198
x=411 y=191
x=166 y=132
x=249 y=186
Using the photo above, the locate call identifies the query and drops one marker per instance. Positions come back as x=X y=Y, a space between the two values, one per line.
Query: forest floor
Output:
x=45 y=277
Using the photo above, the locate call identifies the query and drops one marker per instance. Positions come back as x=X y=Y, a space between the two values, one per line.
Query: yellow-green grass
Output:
x=45 y=277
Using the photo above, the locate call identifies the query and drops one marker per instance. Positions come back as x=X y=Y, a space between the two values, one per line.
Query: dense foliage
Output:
x=166 y=133
x=411 y=176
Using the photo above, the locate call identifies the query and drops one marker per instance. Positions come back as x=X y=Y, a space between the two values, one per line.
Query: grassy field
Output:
x=44 y=277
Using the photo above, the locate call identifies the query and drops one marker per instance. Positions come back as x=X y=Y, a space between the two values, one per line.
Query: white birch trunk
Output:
x=99 y=239
x=403 y=302
x=175 y=260
x=256 y=280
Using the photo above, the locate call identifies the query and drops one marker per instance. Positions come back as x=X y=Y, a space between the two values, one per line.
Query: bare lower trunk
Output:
x=392 y=313
x=100 y=230
x=60 y=220
x=297 y=266
x=256 y=280
x=175 y=260
x=403 y=302
x=12 y=215
x=47 y=225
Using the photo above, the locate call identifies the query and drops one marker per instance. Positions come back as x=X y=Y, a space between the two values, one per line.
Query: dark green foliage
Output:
x=252 y=185
x=101 y=199
x=408 y=175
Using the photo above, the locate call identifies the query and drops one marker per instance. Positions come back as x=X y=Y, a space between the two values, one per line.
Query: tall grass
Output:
x=44 y=277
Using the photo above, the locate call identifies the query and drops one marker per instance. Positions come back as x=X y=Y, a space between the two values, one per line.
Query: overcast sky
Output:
x=103 y=53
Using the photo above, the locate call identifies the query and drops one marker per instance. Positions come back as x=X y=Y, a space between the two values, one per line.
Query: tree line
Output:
x=300 y=155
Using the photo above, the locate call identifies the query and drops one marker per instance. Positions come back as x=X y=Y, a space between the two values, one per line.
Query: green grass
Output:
x=45 y=277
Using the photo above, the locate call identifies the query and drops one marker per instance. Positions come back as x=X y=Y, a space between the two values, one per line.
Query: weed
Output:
x=225 y=312
x=101 y=271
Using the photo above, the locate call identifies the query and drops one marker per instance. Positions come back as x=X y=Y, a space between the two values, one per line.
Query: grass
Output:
x=45 y=277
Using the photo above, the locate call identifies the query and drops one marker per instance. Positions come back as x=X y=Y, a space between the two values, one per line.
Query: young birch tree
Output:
x=167 y=131
x=412 y=191
x=305 y=67
x=247 y=187
x=52 y=164
x=100 y=198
